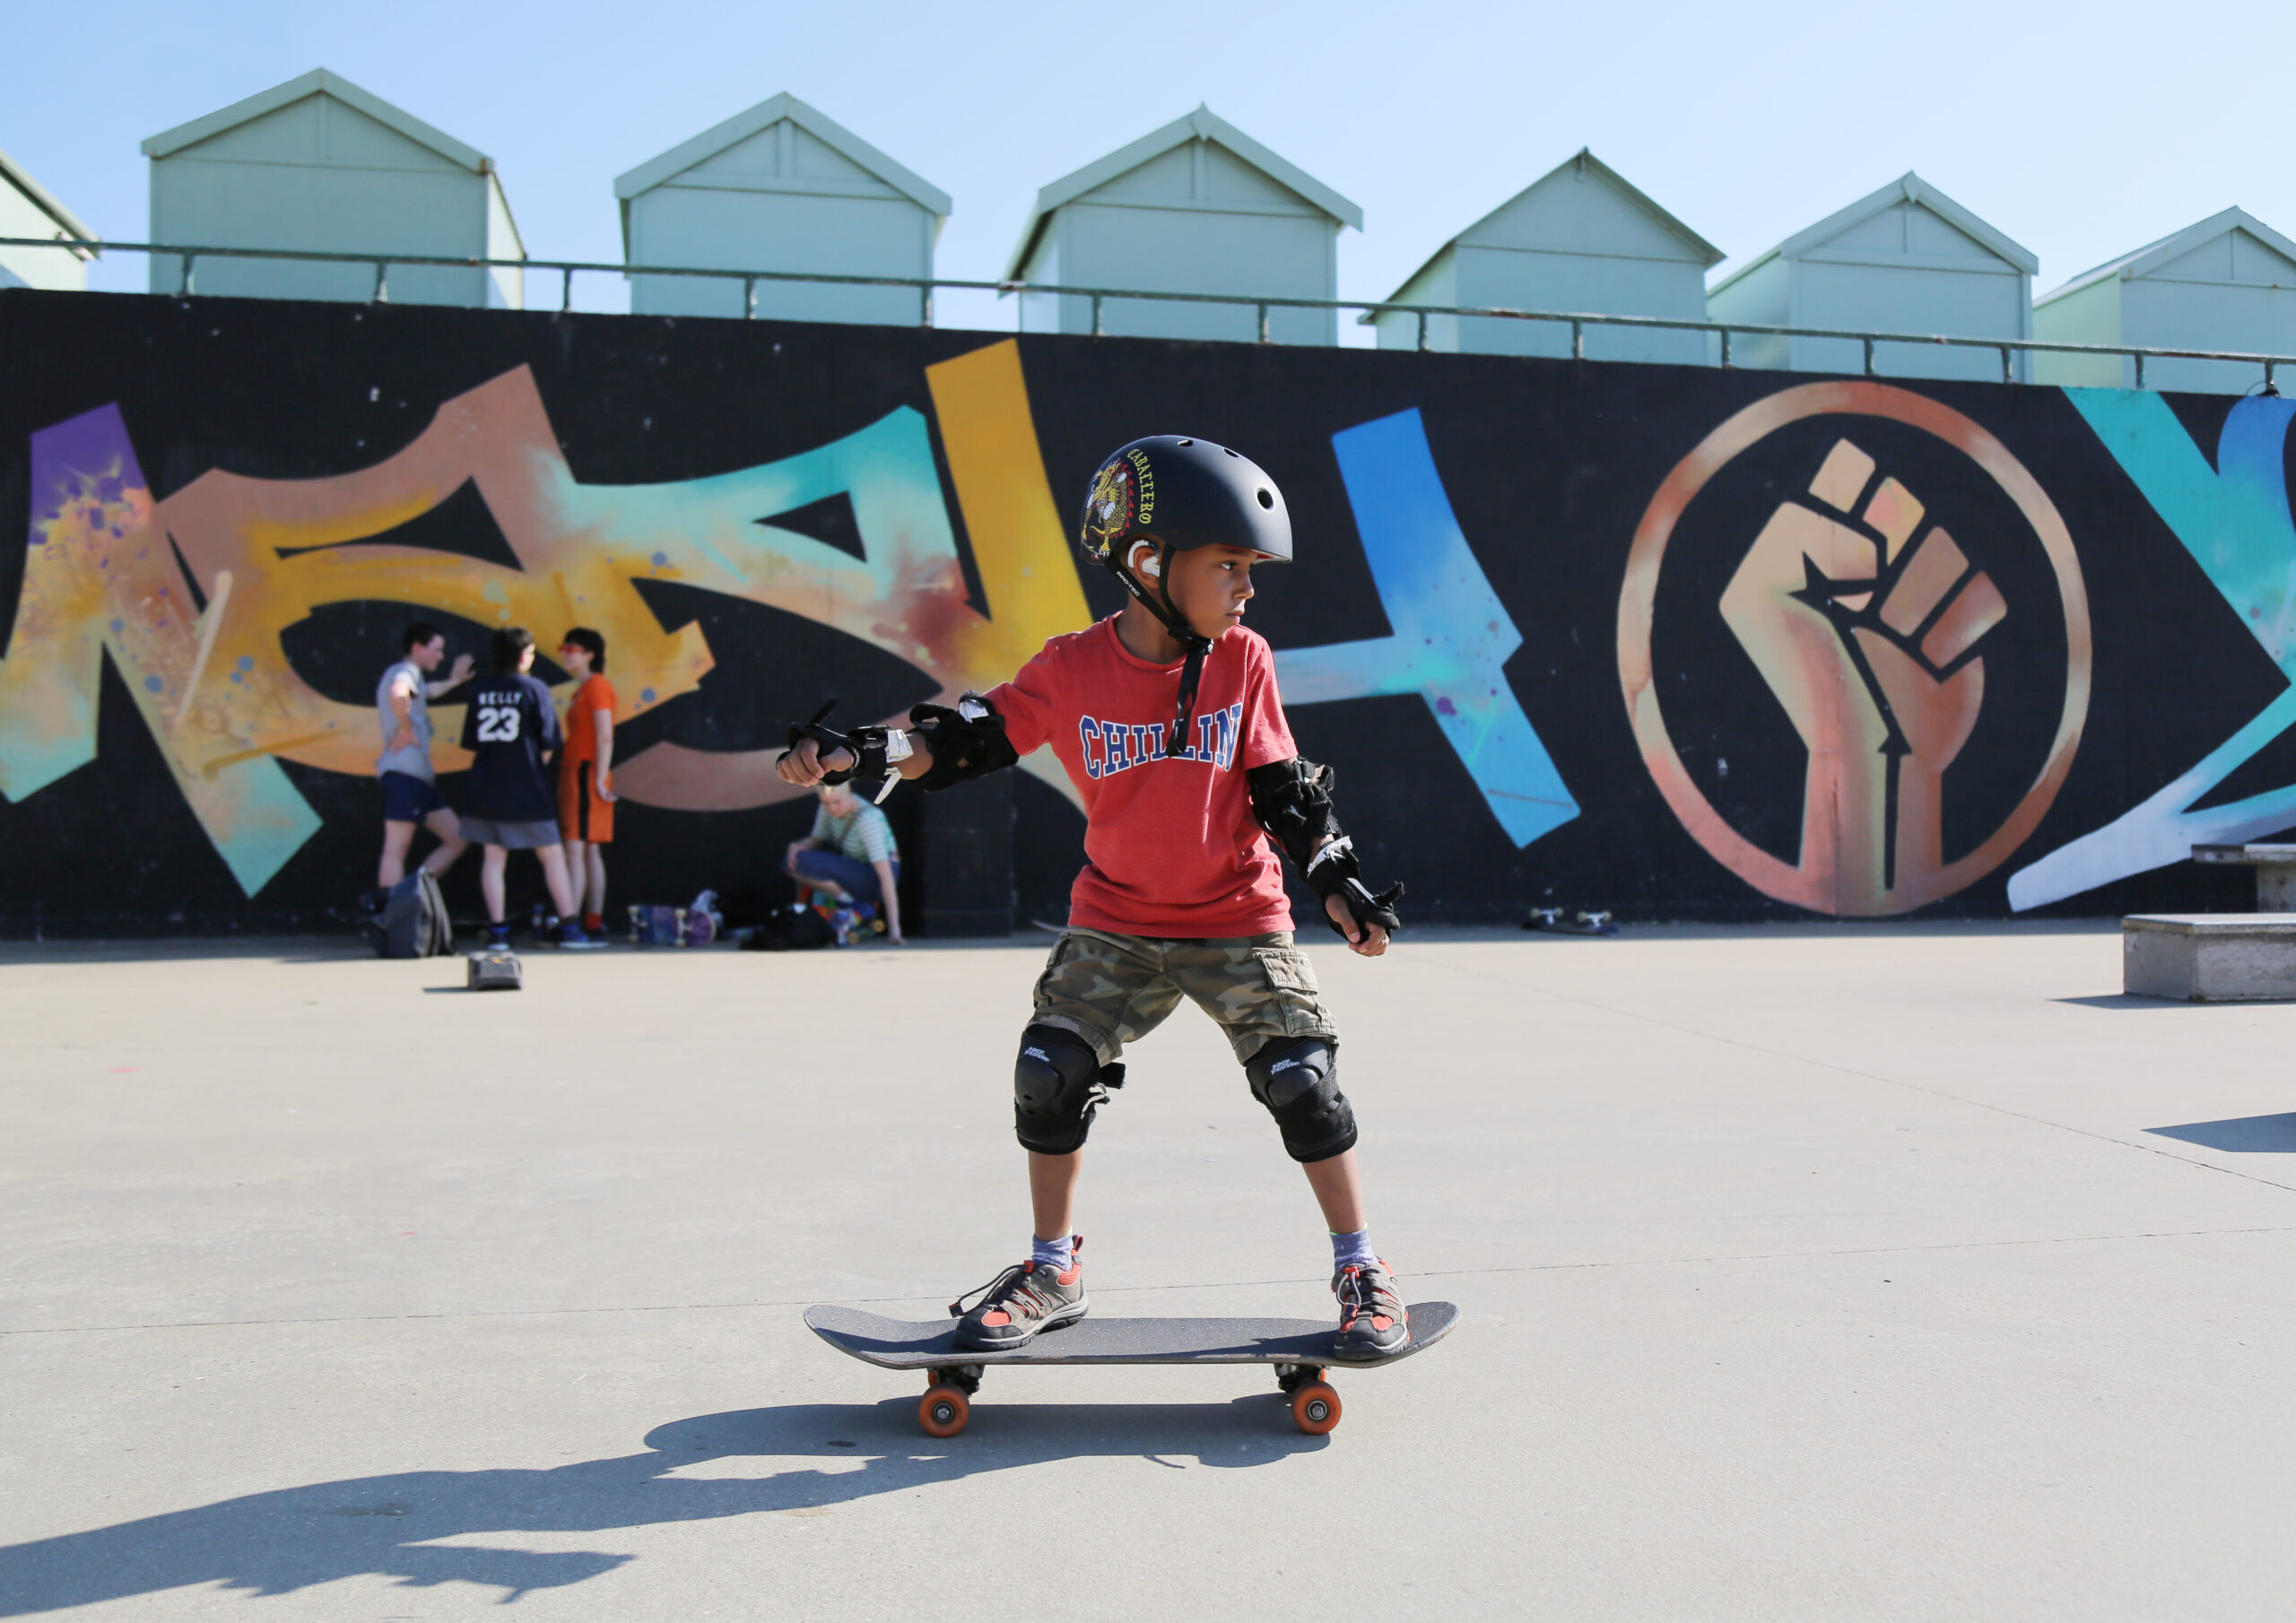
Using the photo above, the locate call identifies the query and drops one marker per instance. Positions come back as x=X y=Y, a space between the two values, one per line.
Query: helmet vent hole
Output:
x=1188 y=442
x=1238 y=455
x=1266 y=501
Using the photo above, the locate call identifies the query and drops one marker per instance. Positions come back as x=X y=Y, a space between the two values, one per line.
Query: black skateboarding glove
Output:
x=872 y=749
x=1333 y=872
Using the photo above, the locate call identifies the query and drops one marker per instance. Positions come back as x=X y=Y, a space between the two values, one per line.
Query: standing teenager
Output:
x=511 y=731
x=586 y=794
x=410 y=783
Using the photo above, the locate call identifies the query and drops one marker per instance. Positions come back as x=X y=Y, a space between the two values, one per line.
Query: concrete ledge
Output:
x=2209 y=957
x=2275 y=867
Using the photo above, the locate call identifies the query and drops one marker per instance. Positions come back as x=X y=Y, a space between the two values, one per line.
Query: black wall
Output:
x=1549 y=467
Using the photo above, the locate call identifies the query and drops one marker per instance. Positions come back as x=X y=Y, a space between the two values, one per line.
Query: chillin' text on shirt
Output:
x=1111 y=747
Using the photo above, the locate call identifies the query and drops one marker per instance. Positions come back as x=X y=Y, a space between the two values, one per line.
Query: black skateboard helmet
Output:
x=1181 y=493
x=1178 y=493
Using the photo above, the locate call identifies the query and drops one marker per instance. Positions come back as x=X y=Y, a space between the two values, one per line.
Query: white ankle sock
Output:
x=1059 y=1255
x=1350 y=1250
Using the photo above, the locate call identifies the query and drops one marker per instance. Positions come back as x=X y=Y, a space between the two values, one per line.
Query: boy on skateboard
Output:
x=1167 y=720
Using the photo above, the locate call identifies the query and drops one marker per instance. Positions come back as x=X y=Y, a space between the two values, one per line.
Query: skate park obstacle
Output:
x=2275 y=866
x=2209 y=957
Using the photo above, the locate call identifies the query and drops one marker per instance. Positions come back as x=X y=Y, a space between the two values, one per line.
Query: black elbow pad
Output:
x=966 y=743
x=1292 y=800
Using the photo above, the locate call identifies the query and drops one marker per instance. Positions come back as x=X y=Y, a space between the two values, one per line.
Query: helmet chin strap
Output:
x=1189 y=638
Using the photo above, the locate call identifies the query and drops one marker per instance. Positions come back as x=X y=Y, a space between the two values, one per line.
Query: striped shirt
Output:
x=864 y=834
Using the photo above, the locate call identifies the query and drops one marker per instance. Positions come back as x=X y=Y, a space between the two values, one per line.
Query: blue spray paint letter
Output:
x=2234 y=521
x=1451 y=637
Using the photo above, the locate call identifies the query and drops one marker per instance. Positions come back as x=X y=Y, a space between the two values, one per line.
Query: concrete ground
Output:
x=1818 y=1272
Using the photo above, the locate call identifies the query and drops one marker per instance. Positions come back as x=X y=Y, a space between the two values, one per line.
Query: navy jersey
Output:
x=511 y=722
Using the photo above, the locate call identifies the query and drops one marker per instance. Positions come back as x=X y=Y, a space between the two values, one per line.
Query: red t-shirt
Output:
x=1171 y=846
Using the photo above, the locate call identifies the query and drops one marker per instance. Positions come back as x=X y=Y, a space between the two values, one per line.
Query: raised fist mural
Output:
x=1864 y=621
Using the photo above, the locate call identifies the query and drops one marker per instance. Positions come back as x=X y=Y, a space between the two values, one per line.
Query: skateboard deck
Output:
x=1300 y=1349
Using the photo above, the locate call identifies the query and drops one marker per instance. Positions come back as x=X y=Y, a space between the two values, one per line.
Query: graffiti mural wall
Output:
x=1683 y=642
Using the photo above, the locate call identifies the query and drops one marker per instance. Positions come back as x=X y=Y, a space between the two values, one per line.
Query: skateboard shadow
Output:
x=288 y=1539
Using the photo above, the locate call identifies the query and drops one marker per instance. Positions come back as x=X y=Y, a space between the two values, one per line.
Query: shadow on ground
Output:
x=2138 y=1000
x=275 y=1543
x=2243 y=1134
x=346 y=945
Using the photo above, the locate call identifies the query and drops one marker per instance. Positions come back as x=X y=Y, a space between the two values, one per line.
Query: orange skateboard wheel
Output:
x=1315 y=1407
x=943 y=1411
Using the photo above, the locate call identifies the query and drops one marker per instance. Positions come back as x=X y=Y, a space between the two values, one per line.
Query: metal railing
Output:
x=1370 y=310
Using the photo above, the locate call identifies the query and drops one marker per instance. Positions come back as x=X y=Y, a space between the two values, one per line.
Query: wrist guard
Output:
x=1292 y=800
x=1333 y=872
x=966 y=743
x=875 y=750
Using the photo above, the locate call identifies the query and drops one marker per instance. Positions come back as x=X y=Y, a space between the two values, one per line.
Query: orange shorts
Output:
x=581 y=814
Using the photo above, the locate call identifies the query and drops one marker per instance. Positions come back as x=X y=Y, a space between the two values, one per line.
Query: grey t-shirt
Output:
x=415 y=760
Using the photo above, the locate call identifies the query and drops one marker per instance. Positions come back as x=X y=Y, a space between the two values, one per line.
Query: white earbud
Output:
x=1149 y=566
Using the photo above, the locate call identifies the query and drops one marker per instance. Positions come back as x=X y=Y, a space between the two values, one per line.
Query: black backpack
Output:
x=791 y=929
x=412 y=920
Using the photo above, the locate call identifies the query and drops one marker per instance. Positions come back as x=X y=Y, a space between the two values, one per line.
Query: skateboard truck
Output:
x=964 y=1377
x=949 y=1390
x=1291 y=1377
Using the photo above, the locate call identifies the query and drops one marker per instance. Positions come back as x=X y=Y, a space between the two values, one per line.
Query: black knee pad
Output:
x=1059 y=1082
x=1298 y=1080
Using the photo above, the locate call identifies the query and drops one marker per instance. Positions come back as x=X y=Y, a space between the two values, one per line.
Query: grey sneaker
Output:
x=1018 y=1303
x=1371 y=1316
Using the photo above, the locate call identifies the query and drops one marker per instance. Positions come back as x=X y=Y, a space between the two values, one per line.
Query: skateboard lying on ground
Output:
x=1300 y=1349
x=1563 y=922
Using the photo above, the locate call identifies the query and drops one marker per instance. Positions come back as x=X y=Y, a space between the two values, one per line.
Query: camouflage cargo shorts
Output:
x=1111 y=989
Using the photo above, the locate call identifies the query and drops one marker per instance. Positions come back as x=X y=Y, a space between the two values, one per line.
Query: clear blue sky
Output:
x=2082 y=131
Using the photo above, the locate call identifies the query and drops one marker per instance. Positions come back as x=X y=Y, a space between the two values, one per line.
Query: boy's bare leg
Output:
x=1338 y=1183
x=491 y=864
x=451 y=843
x=396 y=838
x=1371 y=1314
x=1052 y=1192
x=593 y=894
x=553 y=875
